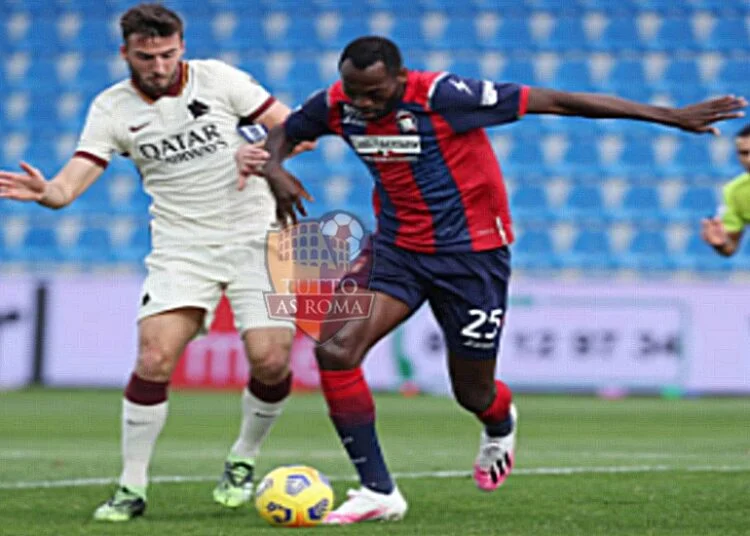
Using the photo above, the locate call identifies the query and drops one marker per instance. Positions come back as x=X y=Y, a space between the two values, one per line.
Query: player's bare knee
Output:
x=155 y=363
x=270 y=366
x=338 y=353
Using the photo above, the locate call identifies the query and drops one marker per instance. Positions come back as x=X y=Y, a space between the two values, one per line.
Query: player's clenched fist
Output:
x=713 y=232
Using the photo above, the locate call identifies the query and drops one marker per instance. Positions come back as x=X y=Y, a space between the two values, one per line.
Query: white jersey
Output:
x=184 y=148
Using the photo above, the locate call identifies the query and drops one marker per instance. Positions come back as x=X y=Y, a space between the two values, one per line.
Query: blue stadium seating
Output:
x=658 y=5
x=620 y=34
x=568 y=34
x=534 y=249
x=352 y=25
x=40 y=245
x=574 y=75
x=529 y=203
x=580 y=157
x=506 y=7
x=448 y=6
x=627 y=72
x=641 y=204
x=735 y=71
x=648 y=252
x=696 y=202
x=519 y=71
x=394 y=6
x=512 y=35
x=138 y=246
x=729 y=34
x=694 y=154
x=681 y=71
x=675 y=33
x=591 y=250
x=93 y=246
x=56 y=54
x=585 y=203
x=638 y=156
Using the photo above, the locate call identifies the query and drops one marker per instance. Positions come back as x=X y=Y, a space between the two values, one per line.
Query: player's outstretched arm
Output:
x=286 y=188
x=276 y=115
x=697 y=118
x=31 y=185
x=716 y=236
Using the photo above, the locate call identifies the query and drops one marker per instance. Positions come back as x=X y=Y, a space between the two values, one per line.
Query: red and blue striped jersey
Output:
x=438 y=185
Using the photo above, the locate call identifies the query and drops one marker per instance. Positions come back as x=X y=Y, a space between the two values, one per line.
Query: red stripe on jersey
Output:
x=418 y=86
x=412 y=213
x=91 y=158
x=477 y=175
x=336 y=95
x=260 y=110
x=523 y=101
x=376 y=202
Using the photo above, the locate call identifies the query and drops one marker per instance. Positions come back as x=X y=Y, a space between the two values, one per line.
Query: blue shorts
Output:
x=468 y=292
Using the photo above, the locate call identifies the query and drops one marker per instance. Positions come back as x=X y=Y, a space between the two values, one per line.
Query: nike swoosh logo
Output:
x=264 y=415
x=130 y=422
x=139 y=127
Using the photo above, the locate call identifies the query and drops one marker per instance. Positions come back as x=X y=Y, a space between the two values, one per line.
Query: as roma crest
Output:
x=320 y=270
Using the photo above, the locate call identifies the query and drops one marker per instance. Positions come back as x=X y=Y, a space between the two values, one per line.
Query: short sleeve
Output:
x=98 y=141
x=729 y=213
x=310 y=121
x=468 y=104
x=247 y=98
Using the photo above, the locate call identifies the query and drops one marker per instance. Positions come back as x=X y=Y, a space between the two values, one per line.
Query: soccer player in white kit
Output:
x=177 y=120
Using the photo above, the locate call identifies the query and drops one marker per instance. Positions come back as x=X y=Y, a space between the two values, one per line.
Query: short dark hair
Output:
x=152 y=20
x=366 y=51
x=745 y=132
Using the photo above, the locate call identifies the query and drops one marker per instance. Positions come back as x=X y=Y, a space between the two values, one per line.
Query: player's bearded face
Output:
x=373 y=91
x=153 y=61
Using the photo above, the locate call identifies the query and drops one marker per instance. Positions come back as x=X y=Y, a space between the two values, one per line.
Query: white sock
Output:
x=257 y=418
x=141 y=426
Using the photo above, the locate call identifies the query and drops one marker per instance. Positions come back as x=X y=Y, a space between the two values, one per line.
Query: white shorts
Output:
x=196 y=276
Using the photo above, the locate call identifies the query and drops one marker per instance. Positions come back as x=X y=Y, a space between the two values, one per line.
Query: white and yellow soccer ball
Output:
x=294 y=496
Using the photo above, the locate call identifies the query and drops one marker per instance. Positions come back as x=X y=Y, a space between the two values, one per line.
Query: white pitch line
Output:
x=532 y=471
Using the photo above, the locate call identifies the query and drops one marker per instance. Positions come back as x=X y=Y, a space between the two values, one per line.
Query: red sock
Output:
x=348 y=396
x=145 y=392
x=499 y=410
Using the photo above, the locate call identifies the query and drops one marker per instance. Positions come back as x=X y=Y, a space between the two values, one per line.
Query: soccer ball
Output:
x=294 y=496
x=346 y=227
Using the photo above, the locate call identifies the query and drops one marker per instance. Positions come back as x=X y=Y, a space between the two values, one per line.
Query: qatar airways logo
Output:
x=185 y=146
x=387 y=148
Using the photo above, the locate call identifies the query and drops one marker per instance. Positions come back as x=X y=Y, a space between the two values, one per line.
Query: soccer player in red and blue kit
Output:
x=443 y=233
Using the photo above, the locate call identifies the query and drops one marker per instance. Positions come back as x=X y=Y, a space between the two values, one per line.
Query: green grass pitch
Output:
x=585 y=466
